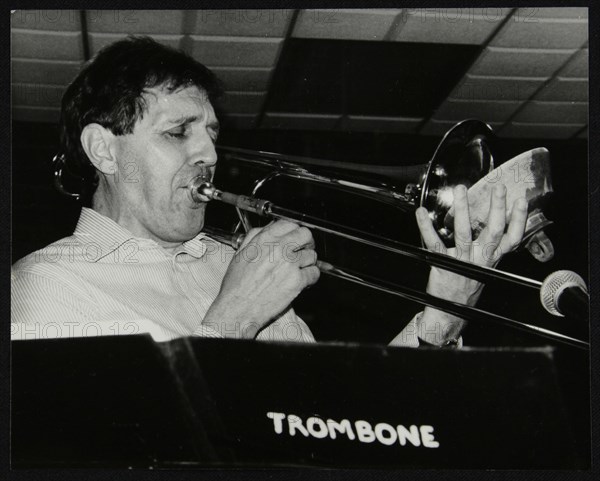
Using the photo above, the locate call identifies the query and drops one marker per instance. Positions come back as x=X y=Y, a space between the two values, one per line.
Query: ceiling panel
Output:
x=244 y=79
x=345 y=24
x=361 y=70
x=242 y=102
x=578 y=66
x=35 y=114
x=540 y=130
x=358 y=78
x=239 y=121
x=236 y=51
x=440 y=127
x=555 y=12
x=241 y=23
x=135 y=21
x=379 y=124
x=99 y=40
x=449 y=25
x=308 y=78
x=481 y=87
x=565 y=89
x=37 y=95
x=46 y=45
x=490 y=110
x=554 y=112
x=542 y=33
x=45 y=19
x=290 y=120
x=44 y=71
x=512 y=62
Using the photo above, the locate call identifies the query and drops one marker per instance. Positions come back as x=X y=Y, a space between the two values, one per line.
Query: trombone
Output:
x=202 y=190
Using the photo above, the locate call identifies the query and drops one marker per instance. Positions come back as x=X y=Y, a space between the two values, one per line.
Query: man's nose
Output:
x=204 y=152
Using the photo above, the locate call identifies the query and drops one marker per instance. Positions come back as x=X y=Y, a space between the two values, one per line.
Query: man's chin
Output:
x=188 y=226
x=184 y=235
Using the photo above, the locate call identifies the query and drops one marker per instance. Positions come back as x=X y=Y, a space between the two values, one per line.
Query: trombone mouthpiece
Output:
x=201 y=189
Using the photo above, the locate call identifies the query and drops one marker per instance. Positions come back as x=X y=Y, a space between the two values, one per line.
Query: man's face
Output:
x=172 y=143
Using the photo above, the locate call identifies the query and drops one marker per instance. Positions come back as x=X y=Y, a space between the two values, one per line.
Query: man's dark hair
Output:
x=108 y=91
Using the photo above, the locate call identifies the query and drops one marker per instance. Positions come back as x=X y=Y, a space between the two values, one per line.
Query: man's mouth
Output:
x=195 y=195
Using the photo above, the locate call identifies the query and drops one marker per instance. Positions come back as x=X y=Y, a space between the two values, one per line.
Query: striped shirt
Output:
x=104 y=281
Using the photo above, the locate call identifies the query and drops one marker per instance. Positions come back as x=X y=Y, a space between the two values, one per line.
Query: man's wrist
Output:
x=223 y=317
x=453 y=343
x=440 y=329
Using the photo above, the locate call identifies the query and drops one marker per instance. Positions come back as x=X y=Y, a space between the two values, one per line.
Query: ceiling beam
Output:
x=288 y=34
x=483 y=46
x=85 y=41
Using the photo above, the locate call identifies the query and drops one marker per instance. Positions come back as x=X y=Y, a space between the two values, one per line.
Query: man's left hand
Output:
x=495 y=240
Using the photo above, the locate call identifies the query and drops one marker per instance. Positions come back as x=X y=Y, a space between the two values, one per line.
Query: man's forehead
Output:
x=163 y=105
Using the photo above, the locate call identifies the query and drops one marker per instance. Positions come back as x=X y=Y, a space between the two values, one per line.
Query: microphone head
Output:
x=554 y=285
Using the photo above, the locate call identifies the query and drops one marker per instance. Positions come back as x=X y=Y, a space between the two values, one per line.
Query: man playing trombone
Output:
x=137 y=124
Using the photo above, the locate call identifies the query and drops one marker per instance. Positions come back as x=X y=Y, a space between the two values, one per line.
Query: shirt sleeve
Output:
x=287 y=328
x=408 y=336
x=206 y=331
x=42 y=307
x=46 y=307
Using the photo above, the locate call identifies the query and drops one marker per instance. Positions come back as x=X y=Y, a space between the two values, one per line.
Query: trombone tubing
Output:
x=463 y=311
x=268 y=209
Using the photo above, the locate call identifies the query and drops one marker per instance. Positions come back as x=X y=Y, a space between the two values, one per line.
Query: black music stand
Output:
x=130 y=402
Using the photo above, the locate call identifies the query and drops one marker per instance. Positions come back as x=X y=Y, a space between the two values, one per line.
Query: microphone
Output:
x=564 y=293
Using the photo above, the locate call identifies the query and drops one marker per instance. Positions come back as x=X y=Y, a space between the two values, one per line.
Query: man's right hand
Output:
x=273 y=265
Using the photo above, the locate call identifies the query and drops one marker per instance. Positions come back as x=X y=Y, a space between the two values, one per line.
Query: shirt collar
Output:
x=109 y=235
x=195 y=247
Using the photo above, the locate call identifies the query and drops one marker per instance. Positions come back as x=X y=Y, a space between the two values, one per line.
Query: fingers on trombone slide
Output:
x=462 y=220
x=516 y=228
x=430 y=238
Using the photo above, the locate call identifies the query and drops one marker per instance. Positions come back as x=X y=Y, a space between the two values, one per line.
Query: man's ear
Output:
x=97 y=142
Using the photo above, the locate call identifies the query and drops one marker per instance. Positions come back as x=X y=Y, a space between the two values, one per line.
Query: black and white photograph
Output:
x=297 y=238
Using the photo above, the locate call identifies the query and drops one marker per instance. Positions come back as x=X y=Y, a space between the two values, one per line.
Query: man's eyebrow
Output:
x=189 y=119
x=182 y=120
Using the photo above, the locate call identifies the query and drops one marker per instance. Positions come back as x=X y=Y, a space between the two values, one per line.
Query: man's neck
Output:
x=102 y=205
